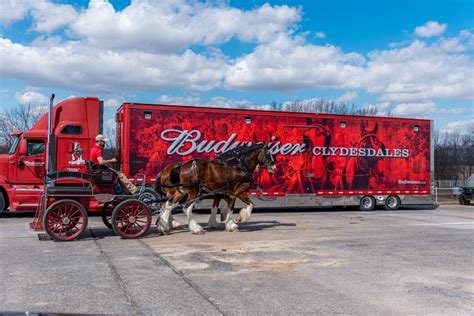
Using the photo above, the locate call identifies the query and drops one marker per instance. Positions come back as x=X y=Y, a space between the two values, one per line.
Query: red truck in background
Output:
x=322 y=159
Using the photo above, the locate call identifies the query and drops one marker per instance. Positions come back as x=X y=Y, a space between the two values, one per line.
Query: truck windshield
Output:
x=14 y=145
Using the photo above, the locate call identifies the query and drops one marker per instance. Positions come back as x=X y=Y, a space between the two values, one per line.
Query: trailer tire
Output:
x=3 y=202
x=367 y=203
x=392 y=203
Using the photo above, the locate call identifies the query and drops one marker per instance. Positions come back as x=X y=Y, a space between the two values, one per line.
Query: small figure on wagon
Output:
x=97 y=157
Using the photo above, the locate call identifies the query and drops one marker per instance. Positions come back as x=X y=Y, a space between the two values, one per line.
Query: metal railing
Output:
x=446 y=195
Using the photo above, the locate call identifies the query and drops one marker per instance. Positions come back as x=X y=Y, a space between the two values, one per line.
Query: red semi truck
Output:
x=322 y=159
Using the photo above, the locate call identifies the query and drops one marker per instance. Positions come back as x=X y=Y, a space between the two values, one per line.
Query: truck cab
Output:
x=76 y=122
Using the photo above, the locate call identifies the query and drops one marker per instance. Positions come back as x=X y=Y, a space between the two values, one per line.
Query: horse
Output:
x=360 y=171
x=198 y=177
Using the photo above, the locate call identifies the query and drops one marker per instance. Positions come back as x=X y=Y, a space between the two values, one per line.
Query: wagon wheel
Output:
x=131 y=219
x=149 y=196
x=65 y=220
x=106 y=213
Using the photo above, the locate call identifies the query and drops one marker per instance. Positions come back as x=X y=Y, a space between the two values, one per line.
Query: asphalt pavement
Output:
x=410 y=261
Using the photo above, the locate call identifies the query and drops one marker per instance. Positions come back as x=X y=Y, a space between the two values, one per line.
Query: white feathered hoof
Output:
x=175 y=224
x=232 y=227
x=244 y=214
x=162 y=229
x=195 y=228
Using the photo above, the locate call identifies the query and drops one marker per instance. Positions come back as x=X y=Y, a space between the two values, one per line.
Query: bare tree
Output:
x=20 y=118
x=454 y=154
x=109 y=150
x=327 y=106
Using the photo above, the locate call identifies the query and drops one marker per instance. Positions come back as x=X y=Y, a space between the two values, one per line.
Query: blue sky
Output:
x=410 y=58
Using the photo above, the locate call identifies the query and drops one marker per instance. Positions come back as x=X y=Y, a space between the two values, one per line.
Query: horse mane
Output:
x=239 y=151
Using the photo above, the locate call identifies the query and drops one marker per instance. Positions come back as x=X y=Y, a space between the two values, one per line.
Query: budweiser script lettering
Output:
x=185 y=142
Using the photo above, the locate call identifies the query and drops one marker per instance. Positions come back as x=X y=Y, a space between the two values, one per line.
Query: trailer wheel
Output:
x=106 y=213
x=65 y=220
x=367 y=203
x=131 y=219
x=392 y=203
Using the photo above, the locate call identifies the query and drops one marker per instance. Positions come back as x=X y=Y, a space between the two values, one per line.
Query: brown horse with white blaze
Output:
x=198 y=177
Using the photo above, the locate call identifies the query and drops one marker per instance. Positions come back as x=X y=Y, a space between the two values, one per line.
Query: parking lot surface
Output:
x=410 y=261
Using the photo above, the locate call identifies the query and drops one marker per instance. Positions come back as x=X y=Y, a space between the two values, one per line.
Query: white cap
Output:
x=100 y=137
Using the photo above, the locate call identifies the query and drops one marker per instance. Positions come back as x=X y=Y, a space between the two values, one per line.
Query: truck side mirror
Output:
x=22 y=148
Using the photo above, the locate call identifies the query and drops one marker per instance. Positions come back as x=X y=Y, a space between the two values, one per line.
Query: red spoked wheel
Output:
x=131 y=219
x=106 y=213
x=65 y=220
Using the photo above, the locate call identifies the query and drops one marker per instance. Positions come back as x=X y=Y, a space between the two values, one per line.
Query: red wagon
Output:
x=62 y=211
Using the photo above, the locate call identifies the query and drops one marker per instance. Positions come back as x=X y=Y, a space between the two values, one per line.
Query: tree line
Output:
x=453 y=151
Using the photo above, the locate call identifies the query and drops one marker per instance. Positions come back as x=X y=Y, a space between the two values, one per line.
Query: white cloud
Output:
x=419 y=72
x=348 y=97
x=459 y=126
x=452 y=45
x=320 y=35
x=456 y=111
x=289 y=63
x=150 y=45
x=216 y=102
x=431 y=28
x=47 y=16
x=32 y=97
x=113 y=102
x=13 y=10
x=99 y=70
x=414 y=109
x=178 y=100
x=222 y=102
x=109 y=125
x=172 y=25
x=381 y=108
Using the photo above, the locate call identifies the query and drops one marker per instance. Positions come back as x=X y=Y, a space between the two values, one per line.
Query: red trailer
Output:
x=322 y=160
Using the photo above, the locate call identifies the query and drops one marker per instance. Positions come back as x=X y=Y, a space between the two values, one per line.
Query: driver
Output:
x=97 y=157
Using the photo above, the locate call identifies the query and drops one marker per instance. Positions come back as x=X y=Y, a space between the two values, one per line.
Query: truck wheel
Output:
x=131 y=219
x=392 y=203
x=3 y=202
x=463 y=200
x=367 y=203
x=65 y=220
